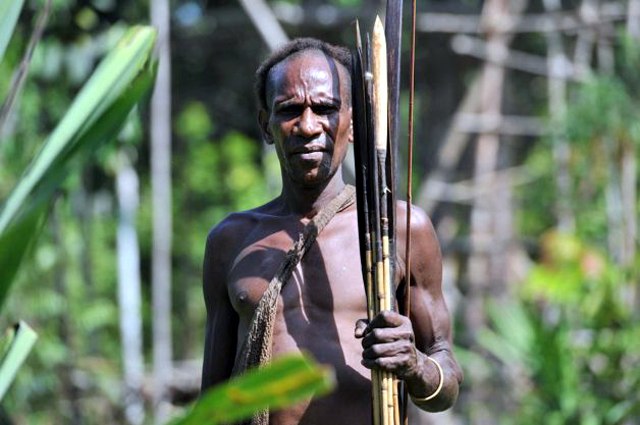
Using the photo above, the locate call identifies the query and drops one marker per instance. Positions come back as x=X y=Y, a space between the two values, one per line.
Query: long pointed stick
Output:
x=380 y=386
x=380 y=93
x=371 y=131
x=393 y=34
x=361 y=155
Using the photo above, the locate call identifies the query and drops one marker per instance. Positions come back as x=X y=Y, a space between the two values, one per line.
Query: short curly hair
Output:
x=341 y=54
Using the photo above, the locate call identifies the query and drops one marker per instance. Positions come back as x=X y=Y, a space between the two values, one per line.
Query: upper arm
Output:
x=222 y=320
x=429 y=313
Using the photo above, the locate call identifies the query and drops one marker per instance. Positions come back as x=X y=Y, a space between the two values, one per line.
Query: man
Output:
x=304 y=94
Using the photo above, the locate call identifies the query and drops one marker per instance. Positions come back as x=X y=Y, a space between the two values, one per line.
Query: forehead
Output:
x=310 y=67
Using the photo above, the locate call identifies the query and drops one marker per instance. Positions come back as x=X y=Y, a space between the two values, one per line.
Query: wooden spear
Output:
x=383 y=261
x=371 y=121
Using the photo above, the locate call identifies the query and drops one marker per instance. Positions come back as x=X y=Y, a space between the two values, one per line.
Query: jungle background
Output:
x=527 y=137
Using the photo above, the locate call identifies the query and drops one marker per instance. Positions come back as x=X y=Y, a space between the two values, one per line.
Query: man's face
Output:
x=308 y=117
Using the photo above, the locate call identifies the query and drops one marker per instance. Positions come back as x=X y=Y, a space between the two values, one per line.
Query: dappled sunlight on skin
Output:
x=315 y=321
x=309 y=318
x=310 y=128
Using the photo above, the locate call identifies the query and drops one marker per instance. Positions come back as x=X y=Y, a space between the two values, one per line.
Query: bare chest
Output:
x=328 y=279
x=317 y=309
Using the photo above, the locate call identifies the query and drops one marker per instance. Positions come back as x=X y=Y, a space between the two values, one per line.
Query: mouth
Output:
x=309 y=152
x=310 y=156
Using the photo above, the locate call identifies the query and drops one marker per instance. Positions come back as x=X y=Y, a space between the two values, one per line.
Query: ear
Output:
x=263 y=122
x=350 y=139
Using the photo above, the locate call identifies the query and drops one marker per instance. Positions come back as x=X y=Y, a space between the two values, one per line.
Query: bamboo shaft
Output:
x=371 y=99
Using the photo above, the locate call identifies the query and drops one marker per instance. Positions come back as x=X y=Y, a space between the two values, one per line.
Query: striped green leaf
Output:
x=287 y=380
x=14 y=244
x=17 y=345
x=9 y=13
x=95 y=116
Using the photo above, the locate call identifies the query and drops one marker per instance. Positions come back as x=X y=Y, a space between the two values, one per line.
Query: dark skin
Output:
x=308 y=119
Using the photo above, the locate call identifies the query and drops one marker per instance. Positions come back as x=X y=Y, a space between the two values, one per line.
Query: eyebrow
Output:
x=288 y=101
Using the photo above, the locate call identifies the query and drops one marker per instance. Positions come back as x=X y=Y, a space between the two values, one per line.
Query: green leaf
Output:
x=95 y=116
x=9 y=13
x=285 y=381
x=14 y=244
x=512 y=340
x=20 y=341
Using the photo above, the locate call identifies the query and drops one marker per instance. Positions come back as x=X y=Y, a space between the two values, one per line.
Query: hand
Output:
x=388 y=344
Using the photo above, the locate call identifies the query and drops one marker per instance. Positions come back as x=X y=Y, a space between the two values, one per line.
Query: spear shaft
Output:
x=376 y=202
x=393 y=35
x=407 y=251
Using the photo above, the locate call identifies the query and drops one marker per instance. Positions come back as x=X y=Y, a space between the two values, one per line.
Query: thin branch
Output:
x=328 y=16
x=20 y=75
x=521 y=61
x=509 y=125
x=451 y=150
x=569 y=21
x=633 y=19
x=466 y=191
x=265 y=22
x=557 y=92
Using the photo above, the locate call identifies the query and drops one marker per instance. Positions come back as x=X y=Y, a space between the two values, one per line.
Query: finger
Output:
x=398 y=363
x=361 y=327
x=389 y=349
x=386 y=335
x=387 y=319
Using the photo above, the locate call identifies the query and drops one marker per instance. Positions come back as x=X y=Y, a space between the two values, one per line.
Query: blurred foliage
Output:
x=283 y=382
x=570 y=340
x=74 y=372
x=571 y=337
x=94 y=117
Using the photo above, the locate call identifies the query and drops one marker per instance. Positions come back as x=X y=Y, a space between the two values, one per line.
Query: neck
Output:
x=307 y=201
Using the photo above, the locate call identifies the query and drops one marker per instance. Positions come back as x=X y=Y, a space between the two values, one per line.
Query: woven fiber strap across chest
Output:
x=256 y=348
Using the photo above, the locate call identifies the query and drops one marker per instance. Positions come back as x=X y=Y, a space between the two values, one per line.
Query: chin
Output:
x=318 y=180
x=313 y=182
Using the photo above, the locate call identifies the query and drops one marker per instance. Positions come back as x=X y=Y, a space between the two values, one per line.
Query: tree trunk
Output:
x=586 y=37
x=633 y=19
x=84 y=211
x=630 y=171
x=613 y=189
x=162 y=208
x=557 y=88
x=629 y=184
x=488 y=235
x=129 y=298
x=70 y=392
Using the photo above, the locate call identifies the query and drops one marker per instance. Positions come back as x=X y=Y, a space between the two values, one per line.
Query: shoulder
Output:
x=426 y=257
x=224 y=241
x=227 y=237
x=230 y=231
x=421 y=225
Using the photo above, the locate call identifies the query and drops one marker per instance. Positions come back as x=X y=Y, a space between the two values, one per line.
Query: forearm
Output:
x=434 y=388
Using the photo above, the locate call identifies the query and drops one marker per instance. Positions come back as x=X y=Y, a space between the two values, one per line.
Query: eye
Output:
x=325 y=109
x=290 y=110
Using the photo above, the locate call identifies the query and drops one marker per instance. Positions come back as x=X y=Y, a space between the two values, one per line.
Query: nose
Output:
x=308 y=125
